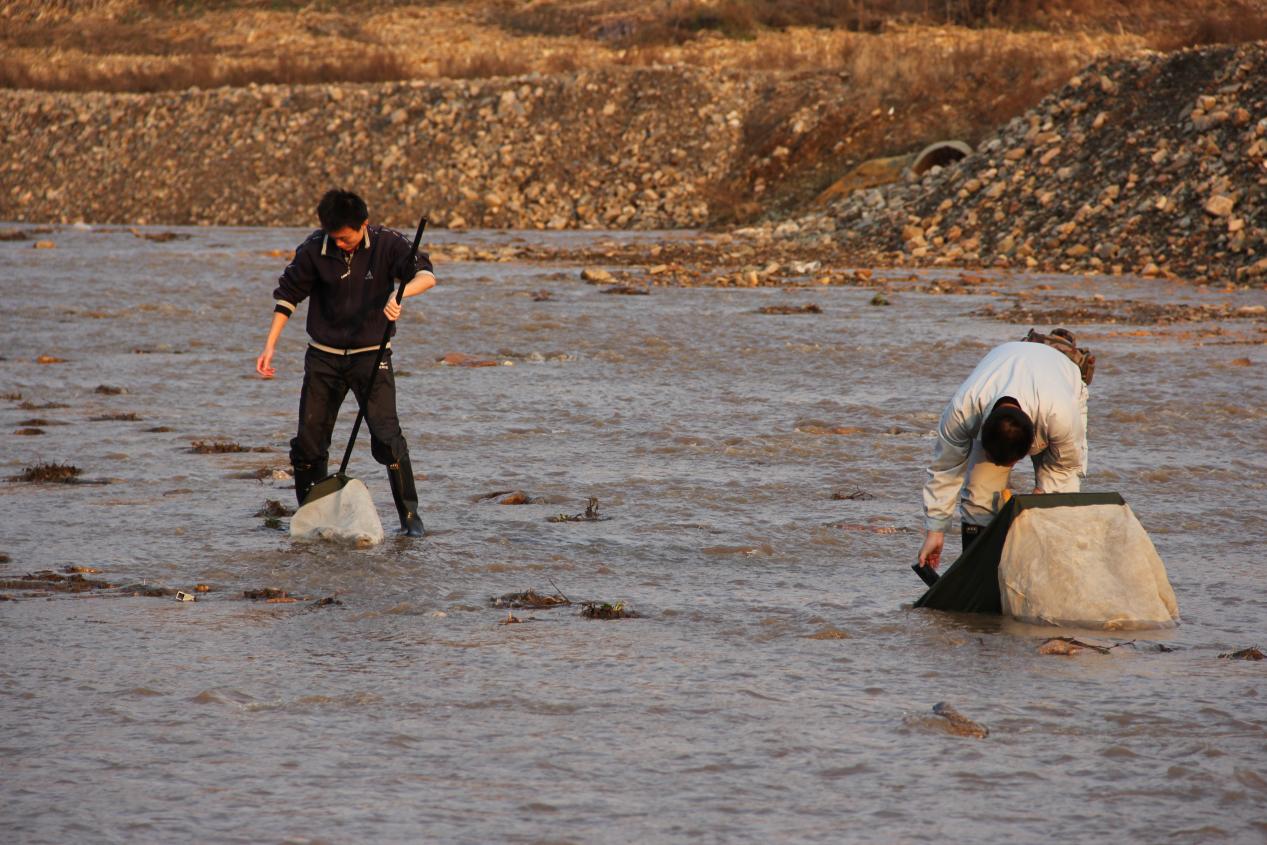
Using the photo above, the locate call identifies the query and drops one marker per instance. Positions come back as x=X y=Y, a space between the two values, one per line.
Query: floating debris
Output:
x=202 y=588
x=959 y=724
x=328 y=601
x=820 y=427
x=212 y=447
x=28 y=405
x=880 y=299
x=4 y=558
x=261 y=474
x=146 y=591
x=461 y=359
x=11 y=397
x=627 y=290
x=854 y=496
x=873 y=529
x=530 y=599
x=107 y=390
x=1244 y=654
x=811 y=308
x=511 y=619
x=509 y=497
x=207 y=447
x=605 y=610
x=122 y=416
x=181 y=595
x=160 y=237
x=265 y=594
x=828 y=633
x=158 y=429
x=591 y=514
x=49 y=581
x=1070 y=645
x=28 y=432
x=49 y=359
x=81 y=570
x=542 y=296
x=273 y=522
x=273 y=507
x=58 y=473
x=12 y=235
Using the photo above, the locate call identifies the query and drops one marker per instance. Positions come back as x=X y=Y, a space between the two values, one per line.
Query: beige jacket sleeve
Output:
x=956 y=430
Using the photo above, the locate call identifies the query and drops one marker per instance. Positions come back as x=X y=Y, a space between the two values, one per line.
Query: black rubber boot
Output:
x=968 y=533
x=307 y=475
x=401 y=476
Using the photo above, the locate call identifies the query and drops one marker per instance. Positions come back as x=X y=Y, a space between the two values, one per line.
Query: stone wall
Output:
x=622 y=148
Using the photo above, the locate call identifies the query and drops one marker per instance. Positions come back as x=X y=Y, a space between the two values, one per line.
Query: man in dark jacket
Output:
x=348 y=268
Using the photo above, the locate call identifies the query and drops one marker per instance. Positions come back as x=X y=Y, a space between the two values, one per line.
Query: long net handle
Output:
x=378 y=359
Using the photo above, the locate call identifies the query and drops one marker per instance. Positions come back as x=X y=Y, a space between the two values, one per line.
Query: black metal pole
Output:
x=378 y=359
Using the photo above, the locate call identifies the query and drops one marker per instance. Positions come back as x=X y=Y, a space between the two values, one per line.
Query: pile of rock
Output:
x=1154 y=165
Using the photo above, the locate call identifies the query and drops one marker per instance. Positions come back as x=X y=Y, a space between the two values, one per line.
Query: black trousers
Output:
x=327 y=380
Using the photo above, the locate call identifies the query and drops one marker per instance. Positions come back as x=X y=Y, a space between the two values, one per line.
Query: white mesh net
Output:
x=347 y=515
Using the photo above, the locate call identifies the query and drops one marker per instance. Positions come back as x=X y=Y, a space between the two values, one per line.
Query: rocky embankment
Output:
x=620 y=148
x=1154 y=165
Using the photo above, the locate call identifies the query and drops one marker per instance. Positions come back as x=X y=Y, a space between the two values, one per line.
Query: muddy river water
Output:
x=777 y=686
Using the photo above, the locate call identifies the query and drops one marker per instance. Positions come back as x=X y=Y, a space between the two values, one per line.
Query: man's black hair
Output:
x=341 y=210
x=1007 y=434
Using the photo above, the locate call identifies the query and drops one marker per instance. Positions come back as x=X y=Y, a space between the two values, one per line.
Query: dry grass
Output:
x=993 y=77
x=484 y=65
x=147 y=45
x=1215 y=28
x=201 y=71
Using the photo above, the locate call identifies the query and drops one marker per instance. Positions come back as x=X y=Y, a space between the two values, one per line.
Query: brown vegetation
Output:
x=139 y=45
x=62 y=473
x=215 y=447
x=198 y=71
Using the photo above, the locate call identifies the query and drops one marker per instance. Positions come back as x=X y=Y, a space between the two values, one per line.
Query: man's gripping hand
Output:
x=930 y=552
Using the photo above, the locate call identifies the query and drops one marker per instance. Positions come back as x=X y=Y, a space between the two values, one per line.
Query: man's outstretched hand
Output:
x=264 y=364
x=930 y=552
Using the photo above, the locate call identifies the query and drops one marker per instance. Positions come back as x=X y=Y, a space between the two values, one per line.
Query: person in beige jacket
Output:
x=1023 y=399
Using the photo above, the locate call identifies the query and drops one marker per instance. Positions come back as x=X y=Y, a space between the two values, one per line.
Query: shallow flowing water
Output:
x=777 y=687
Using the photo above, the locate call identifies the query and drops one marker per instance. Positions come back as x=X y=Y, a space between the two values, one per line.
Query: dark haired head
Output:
x=1007 y=434
x=341 y=210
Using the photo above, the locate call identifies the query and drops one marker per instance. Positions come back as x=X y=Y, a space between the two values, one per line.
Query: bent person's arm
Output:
x=293 y=287
x=264 y=363
x=955 y=432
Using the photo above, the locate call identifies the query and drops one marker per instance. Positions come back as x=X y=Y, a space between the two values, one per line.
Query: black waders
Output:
x=401 y=476
x=306 y=475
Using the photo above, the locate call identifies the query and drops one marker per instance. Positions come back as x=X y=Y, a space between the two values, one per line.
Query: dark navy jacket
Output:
x=346 y=311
